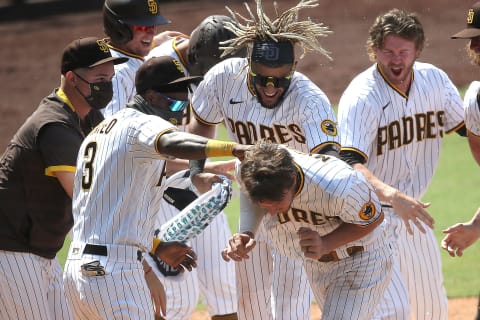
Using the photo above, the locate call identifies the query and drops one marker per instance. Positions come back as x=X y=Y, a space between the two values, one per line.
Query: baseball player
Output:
x=118 y=185
x=409 y=106
x=213 y=277
x=472 y=98
x=462 y=235
x=264 y=97
x=131 y=26
x=331 y=221
x=36 y=183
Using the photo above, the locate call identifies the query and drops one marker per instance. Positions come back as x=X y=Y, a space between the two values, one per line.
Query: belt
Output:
x=102 y=251
x=332 y=256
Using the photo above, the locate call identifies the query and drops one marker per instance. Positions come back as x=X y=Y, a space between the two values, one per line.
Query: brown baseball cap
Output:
x=87 y=53
x=473 y=24
x=164 y=74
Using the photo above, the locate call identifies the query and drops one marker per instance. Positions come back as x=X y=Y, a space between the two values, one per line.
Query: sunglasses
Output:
x=175 y=105
x=143 y=28
x=264 y=81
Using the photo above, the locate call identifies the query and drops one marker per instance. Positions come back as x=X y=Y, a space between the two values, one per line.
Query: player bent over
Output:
x=118 y=185
x=333 y=221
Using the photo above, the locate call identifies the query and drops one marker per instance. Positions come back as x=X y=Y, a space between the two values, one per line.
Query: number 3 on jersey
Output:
x=89 y=156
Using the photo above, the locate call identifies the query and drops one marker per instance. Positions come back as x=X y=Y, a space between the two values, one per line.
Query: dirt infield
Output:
x=459 y=309
x=31 y=48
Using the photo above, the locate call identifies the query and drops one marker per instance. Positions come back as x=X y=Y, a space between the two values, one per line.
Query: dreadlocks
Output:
x=285 y=27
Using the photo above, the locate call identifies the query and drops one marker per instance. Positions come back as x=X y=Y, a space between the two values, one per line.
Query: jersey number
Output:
x=89 y=155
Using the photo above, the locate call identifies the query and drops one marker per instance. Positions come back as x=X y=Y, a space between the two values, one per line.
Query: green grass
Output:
x=454 y=197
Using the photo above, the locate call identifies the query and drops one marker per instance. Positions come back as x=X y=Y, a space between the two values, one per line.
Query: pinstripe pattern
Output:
x=296 y=122
x=123 y=82
x=117 y=210
x=213 y=279
x=333 y=193
x=32 y=287
x=402 y=147
x=472 y=109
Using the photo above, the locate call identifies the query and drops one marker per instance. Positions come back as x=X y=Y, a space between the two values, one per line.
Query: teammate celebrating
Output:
x=36 y=183
x=131 y=26
x=332 y=219
x=124 y=157
x=264 y=97
x=471 y=100
x=392 y=119
x=213 y=278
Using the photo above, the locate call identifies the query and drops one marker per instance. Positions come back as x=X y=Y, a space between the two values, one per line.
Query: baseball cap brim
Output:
x=115 y=60
x=467 y=33
x=154 y=20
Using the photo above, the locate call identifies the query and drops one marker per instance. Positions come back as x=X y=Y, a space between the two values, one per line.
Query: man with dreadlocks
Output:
x=263 y=97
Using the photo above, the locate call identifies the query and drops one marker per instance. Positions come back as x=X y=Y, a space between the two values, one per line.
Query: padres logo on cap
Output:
x=102 y=45
x=152 y=6
x=178 y=65
x=329 y=127
x=470 y=15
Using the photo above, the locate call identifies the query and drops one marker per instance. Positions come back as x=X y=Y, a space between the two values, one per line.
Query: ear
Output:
x=71 y=77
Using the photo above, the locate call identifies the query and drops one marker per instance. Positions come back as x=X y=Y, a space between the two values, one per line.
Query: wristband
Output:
x=217 y=148
x=156 y=243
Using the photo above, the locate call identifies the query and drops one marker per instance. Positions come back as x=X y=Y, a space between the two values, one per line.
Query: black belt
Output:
x=332 y=256
x=99 y=250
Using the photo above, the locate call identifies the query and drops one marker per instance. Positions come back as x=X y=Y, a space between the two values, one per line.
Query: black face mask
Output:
x=101 y=93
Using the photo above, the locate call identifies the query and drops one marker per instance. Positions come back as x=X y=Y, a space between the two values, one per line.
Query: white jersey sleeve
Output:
x=472 y=108
x=123 y=82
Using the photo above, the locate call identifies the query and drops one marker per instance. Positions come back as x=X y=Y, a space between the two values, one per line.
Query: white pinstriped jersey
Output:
x=331 y=192
x=385 y=126
x=472 y=108
x=303 y=120
x=117 y=187
x=123 y=81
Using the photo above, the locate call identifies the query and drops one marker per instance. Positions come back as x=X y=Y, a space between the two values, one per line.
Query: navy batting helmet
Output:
x=120 y=15
x=203 y=47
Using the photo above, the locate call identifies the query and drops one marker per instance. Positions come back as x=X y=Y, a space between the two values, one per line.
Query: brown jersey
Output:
x=35 y=210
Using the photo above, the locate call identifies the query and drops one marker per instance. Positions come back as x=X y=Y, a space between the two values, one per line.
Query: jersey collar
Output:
x=403 y=94
x=61 y=94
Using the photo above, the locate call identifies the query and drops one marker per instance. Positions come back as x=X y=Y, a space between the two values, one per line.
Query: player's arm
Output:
x=408 y=208
x=59 y=145
x=461 y=235
x=193 y=147
x=474 y=142
x=314 y=246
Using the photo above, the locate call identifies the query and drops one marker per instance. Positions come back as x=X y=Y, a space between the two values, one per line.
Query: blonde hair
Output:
x=285 y=27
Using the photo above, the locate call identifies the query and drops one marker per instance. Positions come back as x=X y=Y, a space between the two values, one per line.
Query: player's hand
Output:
x=239 y=150
x=312 y=244
x=412 y=210
x=222 y=167
x=239 y=245
x=459 y=237
x=203 y=181
x=177 y=255
x=157 y=291
x=164 y=36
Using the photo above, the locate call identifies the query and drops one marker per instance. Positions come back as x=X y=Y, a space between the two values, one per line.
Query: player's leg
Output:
x=291 y=296
x=254 y=282
x=349 y=288
x=121 y=293
x=216 y=277
x=421 y=267
x=26 y=285
x=395 y=304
